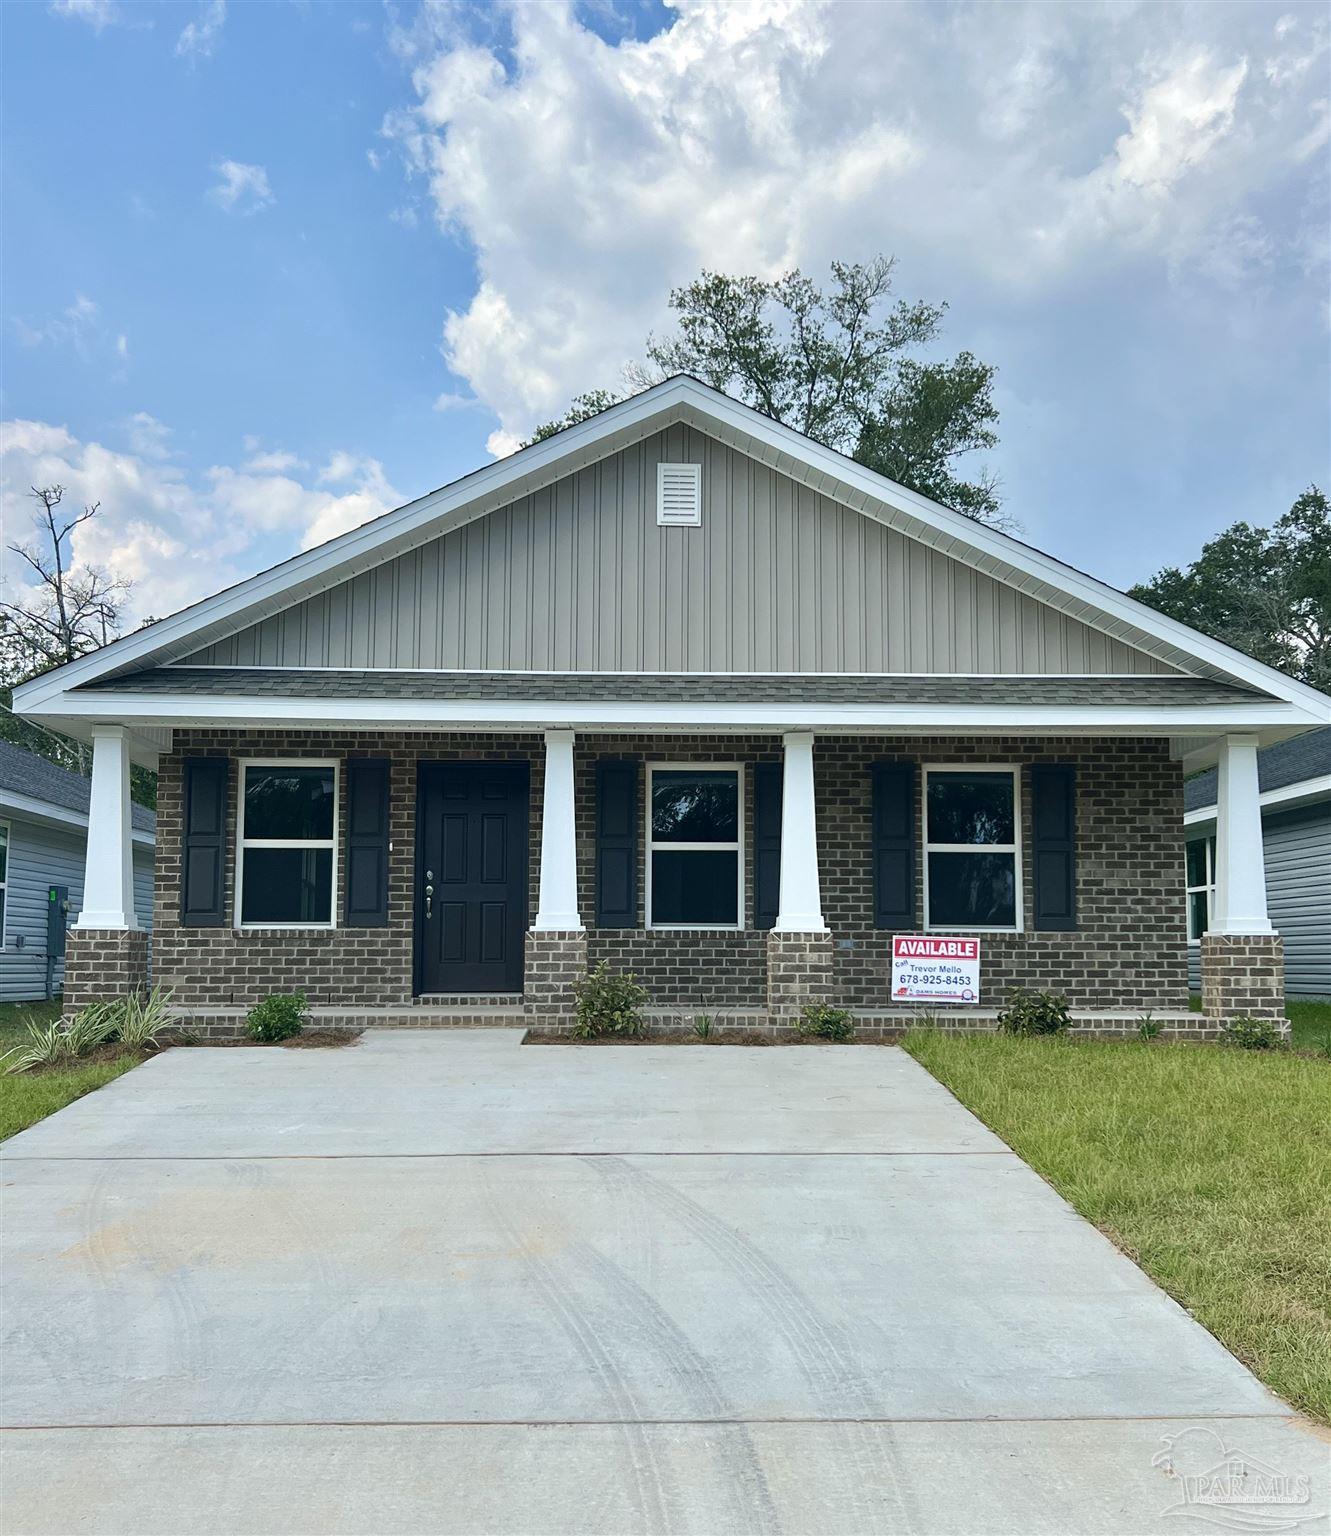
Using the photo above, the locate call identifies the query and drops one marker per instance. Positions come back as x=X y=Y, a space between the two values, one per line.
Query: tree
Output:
x=72 y=610
x=836 y=366
x=1265 y=591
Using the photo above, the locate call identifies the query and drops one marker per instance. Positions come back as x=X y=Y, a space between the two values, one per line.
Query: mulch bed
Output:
x=675 y=1037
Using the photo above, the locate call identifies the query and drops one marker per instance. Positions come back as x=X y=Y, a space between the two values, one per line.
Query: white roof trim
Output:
x=679 y=398
x=1287 y=798
x=75 y=710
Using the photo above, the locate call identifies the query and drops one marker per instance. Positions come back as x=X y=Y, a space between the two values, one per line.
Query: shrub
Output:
x=91 y=1026
x=702 y=1026
x=1253 y=1035
x=46 y=1045
x=276 y=1018
x=609 y=1004
x=1148 y=1028
x=1035 y=1013
x=820 y=1021
x=139 y=1018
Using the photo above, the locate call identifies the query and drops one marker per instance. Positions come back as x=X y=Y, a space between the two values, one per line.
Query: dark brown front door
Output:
x=471 y=872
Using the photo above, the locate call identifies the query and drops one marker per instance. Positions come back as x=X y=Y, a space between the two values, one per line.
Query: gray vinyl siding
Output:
x=1297 y=848
x=40 y=857
x=579 y=577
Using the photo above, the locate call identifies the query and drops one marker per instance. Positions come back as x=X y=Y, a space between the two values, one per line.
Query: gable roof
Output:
x=1279 y=767
x=25 y=776
x=678 y=399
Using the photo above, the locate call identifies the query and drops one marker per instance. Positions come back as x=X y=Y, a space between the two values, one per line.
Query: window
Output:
x=694 y=868
x=287 y=844
x=1201 y=886
x=4 y=877
x=972 y=863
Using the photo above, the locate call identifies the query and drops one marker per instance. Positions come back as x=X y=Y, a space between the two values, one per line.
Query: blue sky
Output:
x=272 y=268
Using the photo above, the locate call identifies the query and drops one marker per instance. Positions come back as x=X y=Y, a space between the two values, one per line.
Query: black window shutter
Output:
x=767 y=785
x=1054 y=853
x=616 y=843
x=203 y=846
x=894 y=845
x=367 y=842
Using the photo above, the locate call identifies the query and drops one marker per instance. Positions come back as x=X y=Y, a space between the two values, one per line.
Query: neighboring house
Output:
x=43 y=838
x=1294 y=779
x=682 y=691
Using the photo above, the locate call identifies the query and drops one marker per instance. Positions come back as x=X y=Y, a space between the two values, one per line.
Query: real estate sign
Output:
x=931 y=968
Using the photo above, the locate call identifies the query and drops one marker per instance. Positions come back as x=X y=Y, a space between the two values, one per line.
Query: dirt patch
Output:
x=316 y=1039
x=307 y=1040
x=109 y=1052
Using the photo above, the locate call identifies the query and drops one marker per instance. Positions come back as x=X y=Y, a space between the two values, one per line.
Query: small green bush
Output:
x=1035 y=1013
x=609 y=1004
x=276 y=1018
x=702 y=1026
x=820 y=1021
x=1253 y=1035
x=1148 y=1028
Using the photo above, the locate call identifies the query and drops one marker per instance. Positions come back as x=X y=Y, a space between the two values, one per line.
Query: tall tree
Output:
x=1265 y=591
x=71 y=610
x=840 y=366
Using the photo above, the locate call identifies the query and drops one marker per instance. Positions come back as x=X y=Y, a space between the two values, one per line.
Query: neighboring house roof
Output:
x=1303 y=760
x=680 y=688
x=25 y=777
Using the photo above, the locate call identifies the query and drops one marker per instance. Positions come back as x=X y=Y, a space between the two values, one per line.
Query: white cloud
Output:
x=97 y=13
x=177 y=539
x=274 y=463
x=199 y=37
x=148 y=437
x=1013 y=147
x=80 y=327
x=241 y=188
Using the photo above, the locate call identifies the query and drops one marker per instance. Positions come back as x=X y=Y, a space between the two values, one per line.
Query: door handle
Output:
x=429 y=892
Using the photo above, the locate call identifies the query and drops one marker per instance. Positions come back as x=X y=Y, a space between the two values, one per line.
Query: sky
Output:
x=270 y=269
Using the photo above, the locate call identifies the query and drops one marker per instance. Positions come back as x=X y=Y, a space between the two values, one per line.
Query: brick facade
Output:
x=800 y=973
x=102 y=963
x=1128 y=953
x=1243 y=976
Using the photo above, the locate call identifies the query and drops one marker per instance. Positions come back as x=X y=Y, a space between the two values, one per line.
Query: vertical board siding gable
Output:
x=579 y=576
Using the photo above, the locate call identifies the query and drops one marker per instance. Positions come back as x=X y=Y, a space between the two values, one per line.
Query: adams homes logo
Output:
x=1230 y=1488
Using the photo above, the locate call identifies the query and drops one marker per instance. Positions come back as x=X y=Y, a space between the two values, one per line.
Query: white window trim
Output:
x=1207 y=889
x=243 y=765
x=8 y=830
x=738 y=847
x=1014 y=848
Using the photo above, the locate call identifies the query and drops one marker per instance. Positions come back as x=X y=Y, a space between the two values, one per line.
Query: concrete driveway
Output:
x=449 y=1283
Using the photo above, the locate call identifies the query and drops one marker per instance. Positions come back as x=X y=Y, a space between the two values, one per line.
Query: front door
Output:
x=471 y=871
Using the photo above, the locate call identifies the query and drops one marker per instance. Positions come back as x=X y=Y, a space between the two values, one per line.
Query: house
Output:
x=681 y=691
x=1294 y=789
x=43 y=838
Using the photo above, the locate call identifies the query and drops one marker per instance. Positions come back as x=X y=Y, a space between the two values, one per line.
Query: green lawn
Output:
x=30 y=1096
x=1208 y=1165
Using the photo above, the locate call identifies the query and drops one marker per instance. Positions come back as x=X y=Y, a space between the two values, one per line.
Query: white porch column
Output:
x=1240 y=871
x=801 y=903
x=108 y=880
x=559 y=863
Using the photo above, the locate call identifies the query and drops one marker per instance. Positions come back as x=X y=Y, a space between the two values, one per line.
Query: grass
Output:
x=30 y=1096
x=1209 y=1166
x=1310 y=1023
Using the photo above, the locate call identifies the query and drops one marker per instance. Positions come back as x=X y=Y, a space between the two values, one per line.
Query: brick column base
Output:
x=103 y=963
x=554 y=963
x=1243 y=976
x=799 y=972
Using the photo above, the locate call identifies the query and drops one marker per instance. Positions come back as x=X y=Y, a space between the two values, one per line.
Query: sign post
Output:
x=931 y=968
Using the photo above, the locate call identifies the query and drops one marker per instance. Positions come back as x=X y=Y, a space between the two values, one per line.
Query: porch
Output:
x=468 y=877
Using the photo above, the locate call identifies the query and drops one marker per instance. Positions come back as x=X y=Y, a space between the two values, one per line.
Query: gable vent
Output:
x=679 y=494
